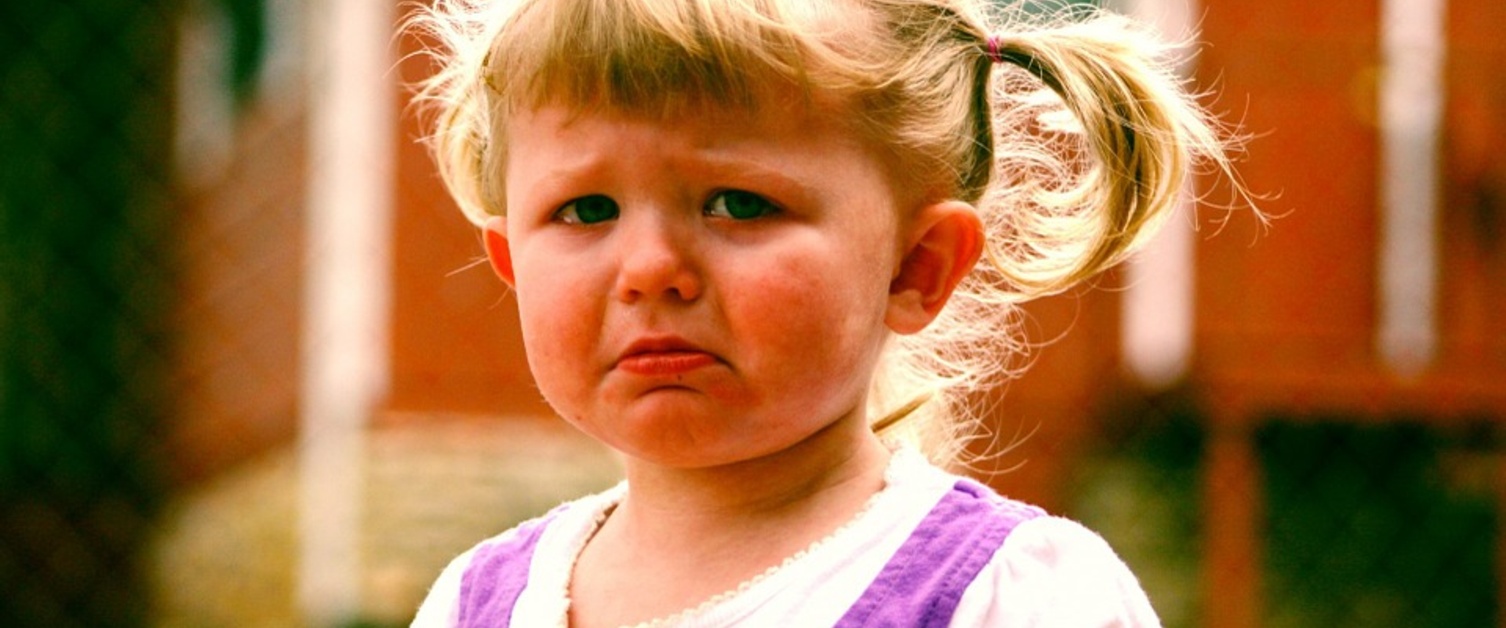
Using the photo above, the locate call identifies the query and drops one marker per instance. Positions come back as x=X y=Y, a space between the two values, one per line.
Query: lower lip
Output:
x=666 y=362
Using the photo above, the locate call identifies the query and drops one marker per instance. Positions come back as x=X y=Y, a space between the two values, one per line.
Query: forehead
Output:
x=782 y=129
x=780 y=141
x=770 y=111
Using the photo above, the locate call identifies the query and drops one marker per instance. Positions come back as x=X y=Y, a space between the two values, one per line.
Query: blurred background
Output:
x=252 y=375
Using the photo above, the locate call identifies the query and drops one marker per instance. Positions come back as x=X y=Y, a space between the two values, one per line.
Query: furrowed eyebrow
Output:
x=559 y=185
x=738 y=173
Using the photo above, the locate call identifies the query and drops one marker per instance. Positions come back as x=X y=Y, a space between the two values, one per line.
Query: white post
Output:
x=346 y=291
x=1411 y=117
x=1157 y=306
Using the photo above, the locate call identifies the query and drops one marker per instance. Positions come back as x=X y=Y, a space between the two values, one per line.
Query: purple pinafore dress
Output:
x=919 y=586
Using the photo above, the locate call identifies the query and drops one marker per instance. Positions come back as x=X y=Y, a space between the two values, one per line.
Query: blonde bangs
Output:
x=657 y=57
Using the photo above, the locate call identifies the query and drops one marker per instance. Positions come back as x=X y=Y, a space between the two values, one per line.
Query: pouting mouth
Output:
x=662 y=357
x=660 y=344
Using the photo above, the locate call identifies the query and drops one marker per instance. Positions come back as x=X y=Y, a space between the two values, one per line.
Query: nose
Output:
x=656 y=260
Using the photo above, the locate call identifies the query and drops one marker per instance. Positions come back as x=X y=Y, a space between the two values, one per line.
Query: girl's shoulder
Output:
x=1054 y=571
x=1013 y=564
x=1040 y=569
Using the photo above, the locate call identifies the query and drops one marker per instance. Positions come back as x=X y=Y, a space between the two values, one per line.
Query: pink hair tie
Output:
x=994 y=54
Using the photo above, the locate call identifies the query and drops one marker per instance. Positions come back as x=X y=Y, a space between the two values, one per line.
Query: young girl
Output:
x=743 y=236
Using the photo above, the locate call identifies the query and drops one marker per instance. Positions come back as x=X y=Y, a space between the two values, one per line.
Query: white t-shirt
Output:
x=1049 y=571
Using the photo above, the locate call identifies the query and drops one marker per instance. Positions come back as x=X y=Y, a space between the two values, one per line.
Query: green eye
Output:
x=587 y=210
x=740 y=205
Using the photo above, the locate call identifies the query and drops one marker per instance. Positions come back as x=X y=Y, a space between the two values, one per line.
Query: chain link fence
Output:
x=85 y=280
x=1364 y=521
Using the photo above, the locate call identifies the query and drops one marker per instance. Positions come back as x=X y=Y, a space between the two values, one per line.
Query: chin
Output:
x=687 y=455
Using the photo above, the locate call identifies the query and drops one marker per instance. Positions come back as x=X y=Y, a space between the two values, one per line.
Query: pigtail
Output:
x=1079 y=143
x=1141 y=136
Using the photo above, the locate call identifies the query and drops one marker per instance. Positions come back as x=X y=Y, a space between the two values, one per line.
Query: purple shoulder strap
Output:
x=923 y=582
x=497 y=575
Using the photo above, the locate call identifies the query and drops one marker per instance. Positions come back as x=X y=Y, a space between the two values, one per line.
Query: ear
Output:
x=943 y=243
x=498 y=252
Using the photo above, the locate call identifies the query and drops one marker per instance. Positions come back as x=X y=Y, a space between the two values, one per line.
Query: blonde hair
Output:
x=1071 y=134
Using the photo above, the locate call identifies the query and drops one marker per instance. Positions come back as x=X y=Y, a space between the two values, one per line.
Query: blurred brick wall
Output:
x=456 y=347
x=1288 y=319
x=236 y=377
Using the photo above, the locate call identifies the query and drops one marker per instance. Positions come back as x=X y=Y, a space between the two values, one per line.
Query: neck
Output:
x=681 y=536
x=834 y=471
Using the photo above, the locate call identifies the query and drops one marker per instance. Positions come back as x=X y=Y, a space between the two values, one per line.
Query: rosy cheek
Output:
x=792 y=310
x=547 y=333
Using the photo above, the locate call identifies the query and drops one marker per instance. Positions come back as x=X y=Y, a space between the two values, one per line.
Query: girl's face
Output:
x=700 y=291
